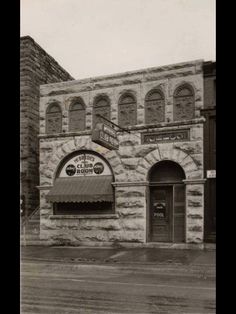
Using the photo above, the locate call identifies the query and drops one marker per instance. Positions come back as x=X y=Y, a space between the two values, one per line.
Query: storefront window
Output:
x=83 y=185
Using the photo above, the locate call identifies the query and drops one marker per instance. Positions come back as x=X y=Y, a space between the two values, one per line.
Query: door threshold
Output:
x=171 y=245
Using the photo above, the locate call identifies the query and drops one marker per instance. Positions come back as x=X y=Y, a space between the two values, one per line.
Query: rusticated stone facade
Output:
x=132 y=162
x=36 y=67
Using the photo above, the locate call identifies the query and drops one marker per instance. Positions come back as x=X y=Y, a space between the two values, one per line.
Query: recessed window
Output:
x=183 y=103
x=127 y=111
x=77 y=117
x=101 y=108
x=53 y=119
x=154 y=107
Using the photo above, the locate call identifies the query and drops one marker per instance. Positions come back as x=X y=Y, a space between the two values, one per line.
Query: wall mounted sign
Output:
x=168 y=136
x=106 y=136
x=85 y=165
x=211 y=173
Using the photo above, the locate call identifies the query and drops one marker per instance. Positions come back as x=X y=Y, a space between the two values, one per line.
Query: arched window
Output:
x=77 y=116
x=183 y=103
x=83 y=185
x=166 y=171
x=101 y=107
x=127 y=111
x=53 y=119
x=154 y=107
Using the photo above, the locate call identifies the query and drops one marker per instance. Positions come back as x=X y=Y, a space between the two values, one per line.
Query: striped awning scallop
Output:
x=82 y=189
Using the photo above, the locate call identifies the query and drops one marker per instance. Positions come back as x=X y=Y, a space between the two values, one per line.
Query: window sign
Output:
x=85 y=164
x=159 y=210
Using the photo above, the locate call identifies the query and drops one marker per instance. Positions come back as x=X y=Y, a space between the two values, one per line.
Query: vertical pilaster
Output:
x=194 y=210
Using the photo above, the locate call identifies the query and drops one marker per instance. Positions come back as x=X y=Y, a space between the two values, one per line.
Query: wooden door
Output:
x=179 y=213
x=161 y=213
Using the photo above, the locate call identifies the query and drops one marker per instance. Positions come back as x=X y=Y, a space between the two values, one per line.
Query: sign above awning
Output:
x=81 y=189
x=85 y=164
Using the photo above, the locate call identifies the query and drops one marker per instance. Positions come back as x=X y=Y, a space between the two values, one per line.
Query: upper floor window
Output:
x=77 y=116
x=127 y=111
x=53 y=119
x=154 y=107
x=183 y=103
x=101 y=108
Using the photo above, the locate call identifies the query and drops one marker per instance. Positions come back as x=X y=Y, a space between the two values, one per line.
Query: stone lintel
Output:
x=67 y=134
x=98 y=216
x=141 y=127
x=194 y=181
x=44 y=187
x=135 y=183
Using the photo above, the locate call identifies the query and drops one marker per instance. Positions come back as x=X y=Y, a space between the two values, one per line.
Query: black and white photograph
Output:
x=117 y=156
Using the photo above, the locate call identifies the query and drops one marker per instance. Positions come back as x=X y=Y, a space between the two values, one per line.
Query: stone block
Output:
x=133 y=224
x=127 y=236
x=165 y=151
x=99 y=224
x=154 y=156
x=195 y=174
x=123 y=177
x=126 y=151
x=143 y=150
x=190 y=147
x=131 y=202
x=130 y=163
x=195 y=190
x=132 y=212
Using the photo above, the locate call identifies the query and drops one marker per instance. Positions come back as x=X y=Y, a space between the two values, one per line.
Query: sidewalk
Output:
x=150 y=256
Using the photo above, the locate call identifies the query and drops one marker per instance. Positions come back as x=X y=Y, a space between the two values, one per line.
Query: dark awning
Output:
x=82 y=189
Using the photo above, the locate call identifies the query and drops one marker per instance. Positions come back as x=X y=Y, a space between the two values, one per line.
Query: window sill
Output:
x=98 y=216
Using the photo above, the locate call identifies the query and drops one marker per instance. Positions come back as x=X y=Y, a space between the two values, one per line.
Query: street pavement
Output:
x=117 y=280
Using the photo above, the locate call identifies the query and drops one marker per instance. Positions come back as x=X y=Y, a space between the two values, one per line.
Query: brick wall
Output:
x=36 y=68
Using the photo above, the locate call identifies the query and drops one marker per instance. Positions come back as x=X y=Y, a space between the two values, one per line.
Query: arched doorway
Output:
x=167 y=203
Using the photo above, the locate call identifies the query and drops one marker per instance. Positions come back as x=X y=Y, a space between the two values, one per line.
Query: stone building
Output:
x=151 y=187
x=209 y=113
x=36 y=67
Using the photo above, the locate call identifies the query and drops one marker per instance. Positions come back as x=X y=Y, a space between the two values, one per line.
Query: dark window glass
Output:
x=83 y=208
x=53 y=119
x=77 y=117
x=101 y=107
x=127 y=111
x=154 y=108
x=183 y=104
x=166 y=171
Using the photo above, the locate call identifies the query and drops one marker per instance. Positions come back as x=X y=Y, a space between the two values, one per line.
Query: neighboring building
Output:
x=36 y=67
x=150 y=189
x=209 y=112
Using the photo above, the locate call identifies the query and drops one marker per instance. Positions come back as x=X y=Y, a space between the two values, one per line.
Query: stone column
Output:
x=46 y=210
x=131 y=208
x=194 y=210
